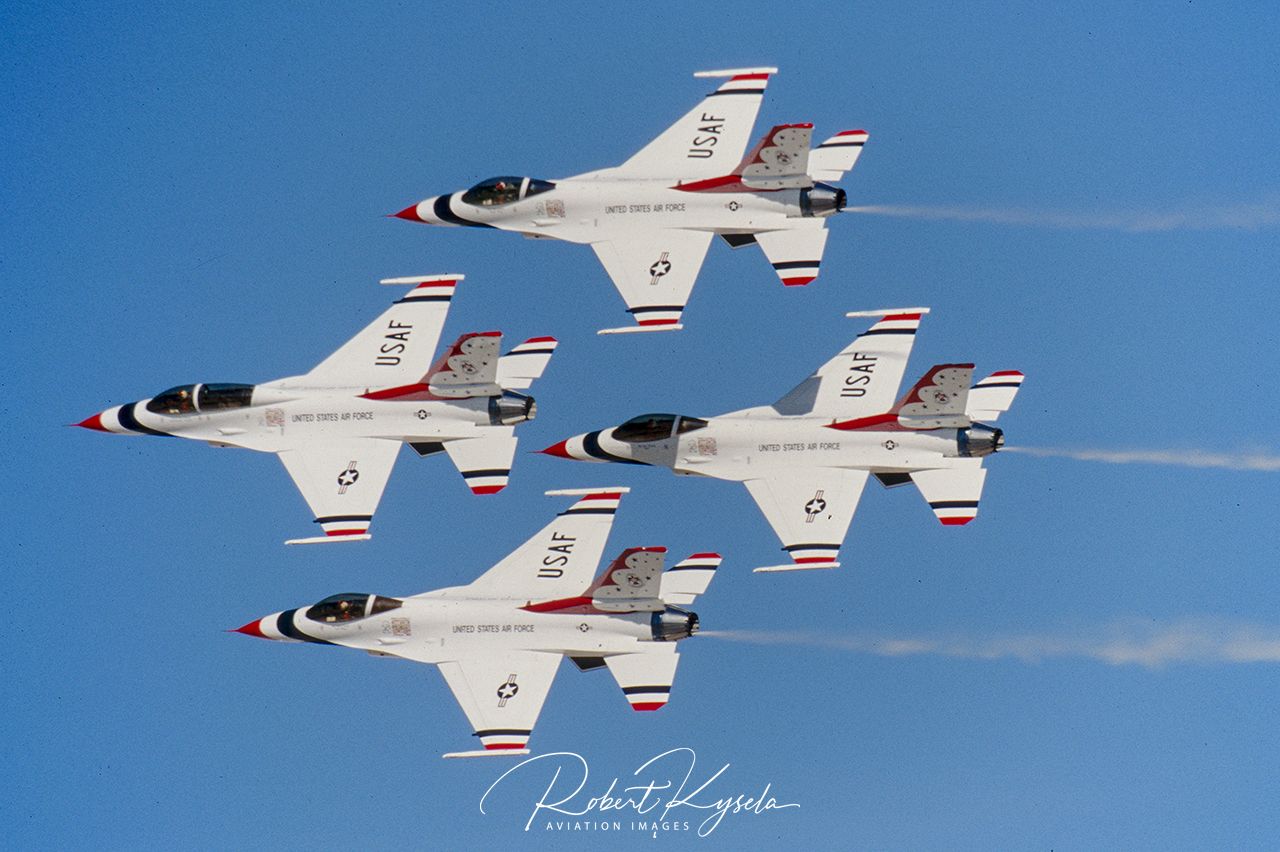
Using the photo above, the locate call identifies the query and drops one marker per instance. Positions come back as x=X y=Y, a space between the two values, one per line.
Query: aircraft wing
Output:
x=502 y=694
x=560 y=560
x=810 y=510
x=342 y=482
x=654 y=271
x=709 y=139
x=396 y=348
x=862 y=381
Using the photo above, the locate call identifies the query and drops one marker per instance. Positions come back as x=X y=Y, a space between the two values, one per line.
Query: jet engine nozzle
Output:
x=979 y=440
x=511 y=408
x=822 y=200
x=673 y=624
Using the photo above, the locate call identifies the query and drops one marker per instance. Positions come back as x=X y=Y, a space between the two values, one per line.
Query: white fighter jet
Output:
x=806 y=457
x=498 y=641
x=339 y=427
x=651 y=219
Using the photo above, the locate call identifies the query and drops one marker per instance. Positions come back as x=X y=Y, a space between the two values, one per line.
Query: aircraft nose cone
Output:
x=560 y=450
x=94 y=422
x=409 y=214
x=251 y=629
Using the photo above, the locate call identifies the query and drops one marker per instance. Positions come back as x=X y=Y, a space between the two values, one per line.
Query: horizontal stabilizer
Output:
x=646 y=677
x=993 y=396
x=485 y=463
x=795 y=254
x=684 y=581
x=953 y=493
x=830 y=160
x=520 y=367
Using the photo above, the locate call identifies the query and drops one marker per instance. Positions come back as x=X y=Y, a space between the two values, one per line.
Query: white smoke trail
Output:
x=1258 y=461
x=1152 y=646
x=1249 y=217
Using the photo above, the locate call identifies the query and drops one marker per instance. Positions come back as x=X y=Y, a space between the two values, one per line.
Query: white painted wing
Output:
x=837 y=155
x=646 y=677
x=953 y=493
x=795 y=254
x=654 y=272
x=342 y=482
x=485 y=463
x=684 y=581
x=520 y=367
x=396 y=348
x=560 y=560
x=810 y=510
x=993 y=396
x=501 y=694
x=708 y=140
x=863 y=379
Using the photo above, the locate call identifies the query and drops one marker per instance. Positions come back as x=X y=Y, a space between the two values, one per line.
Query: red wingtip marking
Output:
x=251 y=629
x=893 y=317
x=955 y=522
x=603 y=495
x=94 y=422
x=806 y=559
x=647 y=705
x=749 y=77
x=797 y=282
x=705 y=556
x=852 y=133
x=346 y=532
x=559 y=450
x=542 y=340
x=1000 y=373
x=409 y=214
x=486 y=489
x=495 y=746
x=657 y=322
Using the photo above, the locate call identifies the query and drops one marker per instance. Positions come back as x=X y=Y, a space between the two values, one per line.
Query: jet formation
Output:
x=651 y=219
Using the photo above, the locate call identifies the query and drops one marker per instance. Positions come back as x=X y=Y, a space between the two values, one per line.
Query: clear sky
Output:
x=1087 y=193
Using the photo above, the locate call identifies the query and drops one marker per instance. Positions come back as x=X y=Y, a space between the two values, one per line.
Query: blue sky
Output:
x=1088 y=194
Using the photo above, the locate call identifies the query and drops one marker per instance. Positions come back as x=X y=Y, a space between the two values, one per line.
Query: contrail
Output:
x=1258 y=461
x=1127 y=643
x=1248 y=217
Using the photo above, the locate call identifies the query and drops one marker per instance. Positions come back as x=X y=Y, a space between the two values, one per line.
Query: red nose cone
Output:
x=251 y=629
x=94 y=422
x=409 y=214
x=559 y=450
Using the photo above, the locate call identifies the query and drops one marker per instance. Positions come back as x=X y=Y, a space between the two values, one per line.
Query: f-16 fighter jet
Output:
x=339 y=427
x=499 y=640
x=806 y=457
x=651 y=219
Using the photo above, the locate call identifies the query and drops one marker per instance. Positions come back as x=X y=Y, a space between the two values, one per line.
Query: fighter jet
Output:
x=338 y=428
x=651 y=219
x=806 y=457
x=498 y=641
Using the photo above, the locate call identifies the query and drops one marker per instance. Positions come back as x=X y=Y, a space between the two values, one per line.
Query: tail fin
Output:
x=938 y=400
x=780 y=160
x=469 y=368
x=830 y=160
x=518 y=369
x=683 y=582
x=993 y=396
x=631 y=583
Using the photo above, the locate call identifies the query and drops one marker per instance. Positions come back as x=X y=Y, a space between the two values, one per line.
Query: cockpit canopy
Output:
x=656 y=427
x=504 y=190
x=350 y=606
x=189 y=399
